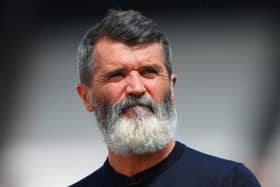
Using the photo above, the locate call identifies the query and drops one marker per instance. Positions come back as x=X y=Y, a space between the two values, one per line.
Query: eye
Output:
x=149 y=73
x=115 y=76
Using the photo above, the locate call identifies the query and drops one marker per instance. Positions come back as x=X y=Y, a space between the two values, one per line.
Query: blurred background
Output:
x=226 y=57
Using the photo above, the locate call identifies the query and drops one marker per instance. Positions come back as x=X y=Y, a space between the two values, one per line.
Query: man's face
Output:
x=122 y=70
x=131 y=95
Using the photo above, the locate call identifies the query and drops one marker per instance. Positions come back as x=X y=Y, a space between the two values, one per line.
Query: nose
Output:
x=135 y=85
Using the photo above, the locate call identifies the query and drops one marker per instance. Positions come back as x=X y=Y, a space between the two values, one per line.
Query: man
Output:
x=126 y=79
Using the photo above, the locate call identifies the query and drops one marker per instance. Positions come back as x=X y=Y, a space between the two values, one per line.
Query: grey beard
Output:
x=151 y=128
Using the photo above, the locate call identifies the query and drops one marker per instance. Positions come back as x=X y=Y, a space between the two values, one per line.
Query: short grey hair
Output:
x=130 y=27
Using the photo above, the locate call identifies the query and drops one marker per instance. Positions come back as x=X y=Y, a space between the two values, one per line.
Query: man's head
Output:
x=130 y=27
x=126 y=78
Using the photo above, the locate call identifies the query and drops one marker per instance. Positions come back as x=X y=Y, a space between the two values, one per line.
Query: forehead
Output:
x=108 y=51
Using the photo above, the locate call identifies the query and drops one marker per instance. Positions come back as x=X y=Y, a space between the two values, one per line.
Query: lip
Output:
x=136 y=110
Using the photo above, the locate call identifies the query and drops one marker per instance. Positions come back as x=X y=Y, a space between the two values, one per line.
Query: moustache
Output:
x=131 y=101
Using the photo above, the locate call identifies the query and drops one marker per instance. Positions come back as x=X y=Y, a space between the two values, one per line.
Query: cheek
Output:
x=112 y=91
x=157 y=89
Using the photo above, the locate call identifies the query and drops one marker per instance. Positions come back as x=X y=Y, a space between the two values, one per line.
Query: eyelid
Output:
x=150 y=69
x=115 y=75
x=112 y=74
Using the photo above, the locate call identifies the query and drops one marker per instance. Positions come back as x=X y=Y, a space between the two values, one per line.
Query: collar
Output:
x=113 y=178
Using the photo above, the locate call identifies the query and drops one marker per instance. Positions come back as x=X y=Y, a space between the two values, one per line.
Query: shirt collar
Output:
x=112 y=178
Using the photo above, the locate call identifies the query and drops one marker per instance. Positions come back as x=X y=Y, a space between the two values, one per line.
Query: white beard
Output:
x=145 y=134
x=137 y=125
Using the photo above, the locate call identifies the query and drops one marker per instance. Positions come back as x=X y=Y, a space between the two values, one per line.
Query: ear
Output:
x=173 y=82
x=85 y=94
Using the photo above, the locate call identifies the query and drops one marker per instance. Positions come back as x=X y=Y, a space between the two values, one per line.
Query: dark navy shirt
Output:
x=183 y=167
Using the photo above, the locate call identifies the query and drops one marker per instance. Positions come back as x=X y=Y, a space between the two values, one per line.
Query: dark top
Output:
x=183 y=167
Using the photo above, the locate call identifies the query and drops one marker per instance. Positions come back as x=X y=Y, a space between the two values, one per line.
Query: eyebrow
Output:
x=114 y=71
x=156 y=67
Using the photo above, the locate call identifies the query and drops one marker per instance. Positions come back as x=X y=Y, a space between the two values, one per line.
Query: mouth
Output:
x=137 y=111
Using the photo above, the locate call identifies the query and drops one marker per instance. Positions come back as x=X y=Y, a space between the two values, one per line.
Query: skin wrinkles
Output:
x=122 y=68
x=118 y=74
x=127 y=56
x=121 y=71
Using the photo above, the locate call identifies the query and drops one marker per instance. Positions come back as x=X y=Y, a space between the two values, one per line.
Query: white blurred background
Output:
x=227 y=92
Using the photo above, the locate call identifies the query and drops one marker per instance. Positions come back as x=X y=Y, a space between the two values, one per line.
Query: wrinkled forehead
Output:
x=109 y=50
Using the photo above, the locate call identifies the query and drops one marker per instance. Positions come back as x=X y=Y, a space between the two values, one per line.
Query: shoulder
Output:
x=215 y=170
x=207 y=162
x=240 y=176
x=94 y=179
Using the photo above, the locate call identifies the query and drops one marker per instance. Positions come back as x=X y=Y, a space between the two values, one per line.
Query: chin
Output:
x=136 y=137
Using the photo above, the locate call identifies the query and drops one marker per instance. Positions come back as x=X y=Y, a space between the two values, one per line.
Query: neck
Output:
x=133 y=164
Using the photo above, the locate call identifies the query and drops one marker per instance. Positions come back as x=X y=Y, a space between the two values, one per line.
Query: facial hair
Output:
x=149 y=127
